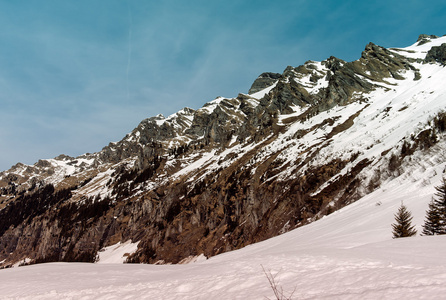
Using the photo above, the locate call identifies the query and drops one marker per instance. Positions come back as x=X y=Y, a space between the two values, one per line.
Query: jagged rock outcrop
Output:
x=238 y=170
x=437 y=54
x=263 y=81
x=425 y=38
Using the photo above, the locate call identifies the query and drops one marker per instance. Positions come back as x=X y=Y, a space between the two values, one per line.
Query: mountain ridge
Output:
x=238 y=170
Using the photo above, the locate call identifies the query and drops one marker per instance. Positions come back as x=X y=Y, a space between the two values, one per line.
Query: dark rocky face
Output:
x=437 y=54
x=263 y=81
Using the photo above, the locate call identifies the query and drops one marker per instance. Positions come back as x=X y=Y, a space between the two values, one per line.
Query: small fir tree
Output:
x=432 y=222
x=435 y=222
x=403 y=226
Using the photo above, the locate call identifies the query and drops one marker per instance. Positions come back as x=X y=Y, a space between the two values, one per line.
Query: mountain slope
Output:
x=345 y=255
x=236 y=171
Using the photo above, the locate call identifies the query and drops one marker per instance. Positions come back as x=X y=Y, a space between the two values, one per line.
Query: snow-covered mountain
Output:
x=299 y=146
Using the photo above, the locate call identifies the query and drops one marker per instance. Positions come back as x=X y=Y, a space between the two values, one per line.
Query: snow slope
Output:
x=349 y=254
x=116 y=254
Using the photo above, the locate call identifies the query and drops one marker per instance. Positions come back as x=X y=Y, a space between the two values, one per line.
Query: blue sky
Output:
x=76 y=75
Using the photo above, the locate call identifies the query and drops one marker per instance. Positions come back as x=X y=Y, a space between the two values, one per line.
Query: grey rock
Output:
x=424 y=38
x=263 y=81
x=437 y=54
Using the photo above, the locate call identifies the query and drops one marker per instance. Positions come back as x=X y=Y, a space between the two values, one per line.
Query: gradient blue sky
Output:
x=76 y=75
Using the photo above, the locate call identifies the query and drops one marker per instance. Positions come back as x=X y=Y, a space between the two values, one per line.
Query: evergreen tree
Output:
x=435 y=222
x=432 y=222
x=440 y=201
x=403 y=226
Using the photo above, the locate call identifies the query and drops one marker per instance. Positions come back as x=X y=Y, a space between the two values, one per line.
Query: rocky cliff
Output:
x=299 y=145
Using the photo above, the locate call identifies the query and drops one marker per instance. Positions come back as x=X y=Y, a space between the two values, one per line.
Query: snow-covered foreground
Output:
x=401 y=269
x=347 y=255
